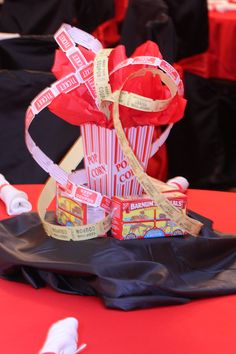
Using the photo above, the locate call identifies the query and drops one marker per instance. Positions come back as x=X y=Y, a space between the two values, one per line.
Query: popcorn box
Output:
x=141 y=218
x=107 y=169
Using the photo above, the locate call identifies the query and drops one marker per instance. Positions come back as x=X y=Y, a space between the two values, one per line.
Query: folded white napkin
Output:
x=5 y=35
x=62 y=338
x=16 y=201
x=179 y=182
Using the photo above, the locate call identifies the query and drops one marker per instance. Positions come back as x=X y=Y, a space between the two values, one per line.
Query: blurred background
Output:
x=197 y=37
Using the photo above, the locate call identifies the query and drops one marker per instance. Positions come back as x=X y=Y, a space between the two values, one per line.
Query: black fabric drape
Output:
x=28 y=53
x=202 y=145
x=54 y=136
x=180 y=30
x=125 y=274
x=25 y=70
x=148 y=19
x=35 y=17
x=190 y=19
x=25 y=65
x=91 y=13
x=46 y=16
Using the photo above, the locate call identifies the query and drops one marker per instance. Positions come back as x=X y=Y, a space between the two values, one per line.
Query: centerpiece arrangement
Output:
x=118 y=102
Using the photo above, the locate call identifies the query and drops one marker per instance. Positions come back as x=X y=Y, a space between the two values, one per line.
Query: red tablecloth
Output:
x=219 y=61
x=206 y=326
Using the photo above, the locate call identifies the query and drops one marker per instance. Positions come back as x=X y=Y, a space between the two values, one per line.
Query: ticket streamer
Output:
x=189 y=225
x=61 y=174
x=171 y=79
x=96 y=79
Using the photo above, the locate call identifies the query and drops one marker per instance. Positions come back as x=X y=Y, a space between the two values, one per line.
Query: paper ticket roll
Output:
x=108 y=171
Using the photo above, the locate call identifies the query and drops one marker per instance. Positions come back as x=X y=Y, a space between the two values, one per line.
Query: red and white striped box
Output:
x=107 y=169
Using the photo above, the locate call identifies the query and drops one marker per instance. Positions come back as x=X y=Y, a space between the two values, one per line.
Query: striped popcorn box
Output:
x=107 y=169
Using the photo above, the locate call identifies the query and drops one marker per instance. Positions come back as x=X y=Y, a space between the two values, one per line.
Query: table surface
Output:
x=219 y=60
x=202 y=326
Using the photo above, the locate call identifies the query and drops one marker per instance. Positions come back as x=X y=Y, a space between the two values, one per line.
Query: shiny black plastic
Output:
x=125 y=274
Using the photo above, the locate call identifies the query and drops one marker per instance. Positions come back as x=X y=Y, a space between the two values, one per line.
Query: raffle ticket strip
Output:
x=96 y=78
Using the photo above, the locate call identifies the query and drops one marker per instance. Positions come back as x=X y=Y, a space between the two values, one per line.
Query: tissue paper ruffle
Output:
x=78 y=107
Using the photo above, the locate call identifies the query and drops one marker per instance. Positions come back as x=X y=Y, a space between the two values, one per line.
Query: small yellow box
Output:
x=68 y=211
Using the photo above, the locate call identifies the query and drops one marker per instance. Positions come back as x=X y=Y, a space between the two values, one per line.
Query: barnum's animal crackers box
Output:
x=142 y=218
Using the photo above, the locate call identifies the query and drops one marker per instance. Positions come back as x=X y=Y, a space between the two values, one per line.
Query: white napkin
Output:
x=179 y=182
x=6 y=35
x=16 y=201
x=62 y=338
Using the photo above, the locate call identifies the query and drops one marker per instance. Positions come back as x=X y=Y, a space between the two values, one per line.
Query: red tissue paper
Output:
x=78 y=107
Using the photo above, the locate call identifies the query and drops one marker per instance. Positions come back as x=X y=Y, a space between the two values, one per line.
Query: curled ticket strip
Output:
x=96 y=78
x=149 y=185
x=152 y=187
x=66 y=37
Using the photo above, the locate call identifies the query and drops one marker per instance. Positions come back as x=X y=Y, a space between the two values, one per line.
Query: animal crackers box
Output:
x=142 y=218
x=69 y=212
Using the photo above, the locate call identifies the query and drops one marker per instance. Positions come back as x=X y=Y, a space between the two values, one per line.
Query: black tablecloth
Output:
x=125 y=274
